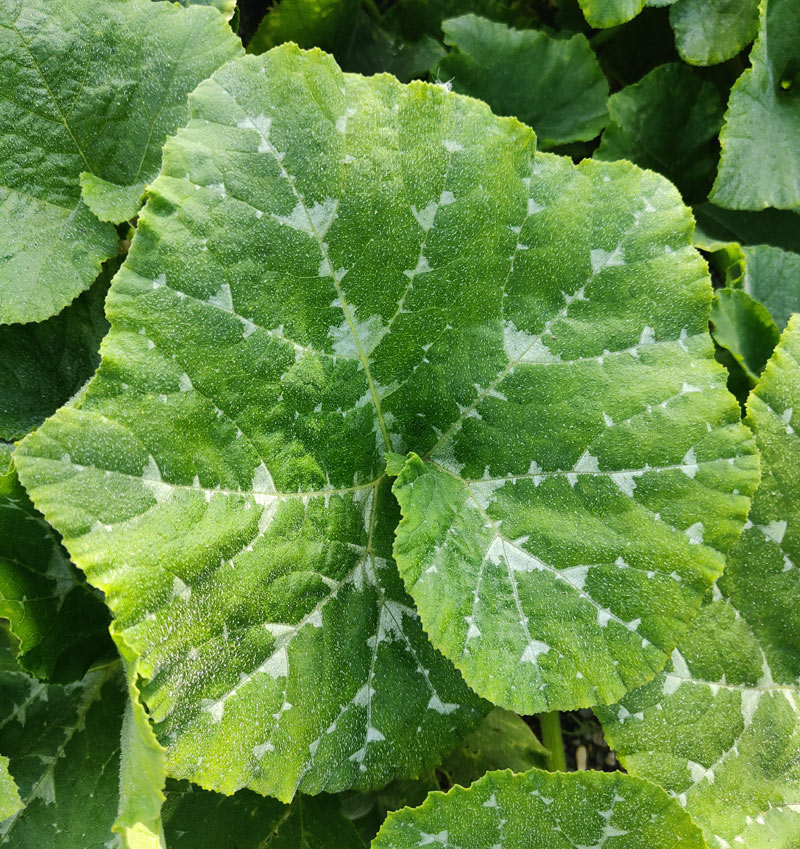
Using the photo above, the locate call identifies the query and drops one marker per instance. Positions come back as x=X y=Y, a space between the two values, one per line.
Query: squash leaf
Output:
x=720 y=728
x=90 y=91
x=317 y=279
x=760 y=162
x=583 y=809
x=708 y=33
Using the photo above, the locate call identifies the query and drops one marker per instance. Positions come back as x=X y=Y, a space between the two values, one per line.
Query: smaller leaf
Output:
x=772 y=276
x=667 y=122
x=760 y=162
x=554 y=85
x=610 y=13
x=743 y=326
x=578 y=809
x=717 y=227
x=108 y=201
x=708 y=33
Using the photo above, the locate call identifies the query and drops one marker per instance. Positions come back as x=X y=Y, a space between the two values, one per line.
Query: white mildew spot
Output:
x=787 y=419
x=313 y=221
x=422 y=267
x=160 y=281
x=533 y=650
x=425 y=216
x=215 y=708
x=750 y=699
x=315 y=619
x=534 y=207
x=523 y=348
x=185 y=383
x=587 y=463
x=601 y=259
x=688 y=388
x=442 y=837
x=262 y=482
x=483 y=491
x=491 y=802
x=373 y=735
x=261 y=750
x=689 y=464
x=46 y=789
x=680 y=672
x=435 y=703
x=609 y=422
x=219 y=188
x=363 y=696
x=222 y=299
x=517 y=558
x=368 y=333
x=626 y=481
x=774 y=530
x=181 y=590
x=248 y=328
x=473 y=630
x=682 y=340
x=452 y=146
x=261 y=124
x=325 y=270
x=341 y=121
x=575 y=575
x=695 y=533
x=648 y=336
x=446 y=198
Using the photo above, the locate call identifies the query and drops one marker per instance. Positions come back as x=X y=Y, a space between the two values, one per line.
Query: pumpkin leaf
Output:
x=772 y=277
x=562 y=809
x=90 y=92
x=709 y=33
x=610 y=13
x=760 y=162
x=278 y=326
x=720 y=728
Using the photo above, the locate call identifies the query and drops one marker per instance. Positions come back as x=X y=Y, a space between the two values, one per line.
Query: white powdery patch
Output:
x=344 y=336
x=601 y=259
x=587 y=464
x=160 y=281
x=185 y=383
x=262 y=483
x=483 y=491
x=689 y=464
x=426 y=215
x=452 y=146
x=442 y=837
x=786 y=416
x=151 y=478
x=222 y=299
x=517 y=558
x=533 y=650
x=687 y=388
x=341 y=121
x=313 y=221
x=262 y=749
x=473 y=630
x=648 y=336
x=422 y=267
x=626 y=481
x=261 y=124
x=680 y=673
x=522 y=347
x=219 y=188
x=774 y=530
x=534 y=207
x=695 y=533
x=435 y=703
x=180 y=589
x=575 y=575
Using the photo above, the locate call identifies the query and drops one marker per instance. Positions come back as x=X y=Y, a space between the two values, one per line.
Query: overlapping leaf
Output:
x=43 y=364
x=760 y=162
x=553 y=85
x=720 y=728
x=668 y=122
x=610 y=13
x=326 y=270
x=90 y=90
x=745 y=327
x=708 y=33
x=772 y=277
x=60 y=622
x=586 y=809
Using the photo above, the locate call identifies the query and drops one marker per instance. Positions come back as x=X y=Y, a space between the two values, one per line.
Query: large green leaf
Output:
x=710 y=32
x=63 y=745
x=90 y=90
x=668 y=122
x=760 y=162
x=772 y=277
x=720 y=728
x=317 y=278
x=43 y=364
x=588 y=810
x=610 y=13
x=61 y=623
x=554 y=85
x=226 y=7
x=200 y=819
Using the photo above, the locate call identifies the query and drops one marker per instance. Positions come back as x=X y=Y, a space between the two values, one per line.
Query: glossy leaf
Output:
x=60 y=622
x=42 y=365
x=668 y=122
x=63 y=744
x=760 y=162
x=278 y=325
x=10 y=802
x=745 y=327
x=585 y=809
x=610 y=13
x=708 y=33
x=90 y=90
x=772 y=277
x=553 y=85
x=720 y=728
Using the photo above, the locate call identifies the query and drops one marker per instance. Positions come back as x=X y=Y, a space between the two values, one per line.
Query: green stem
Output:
x=551 y=738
